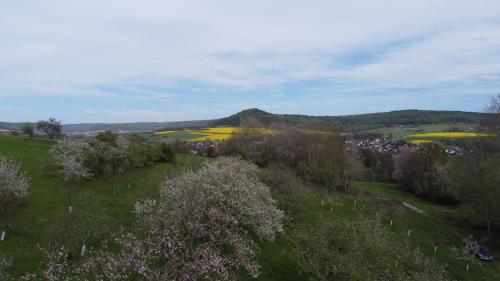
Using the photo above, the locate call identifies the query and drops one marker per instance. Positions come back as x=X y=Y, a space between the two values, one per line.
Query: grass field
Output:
x=97 y=211
x=43 y=217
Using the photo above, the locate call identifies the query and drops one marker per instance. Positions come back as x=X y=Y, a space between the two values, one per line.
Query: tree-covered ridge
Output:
x=360 y=121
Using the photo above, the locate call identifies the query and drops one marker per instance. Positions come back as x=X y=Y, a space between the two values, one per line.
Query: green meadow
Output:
x=43 y=217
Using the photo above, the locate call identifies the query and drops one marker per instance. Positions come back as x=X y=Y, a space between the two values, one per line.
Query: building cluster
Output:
x=381 y=144
x=207 y=146
x=384 y=144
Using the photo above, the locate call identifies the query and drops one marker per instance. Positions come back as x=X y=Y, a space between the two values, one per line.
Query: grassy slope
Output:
x=43 y=215
x=426 y=231
x=433 y=228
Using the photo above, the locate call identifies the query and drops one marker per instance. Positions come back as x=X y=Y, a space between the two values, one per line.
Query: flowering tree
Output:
x=71 y=156
x=70 y=153
x=198 y=229
x=13 y=184
x=201 y=222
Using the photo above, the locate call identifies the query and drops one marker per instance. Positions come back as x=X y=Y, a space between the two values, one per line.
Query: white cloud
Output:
x=66 y=47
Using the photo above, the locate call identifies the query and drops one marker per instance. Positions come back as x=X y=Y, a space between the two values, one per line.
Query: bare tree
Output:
x=494 y=105
x=52 y=128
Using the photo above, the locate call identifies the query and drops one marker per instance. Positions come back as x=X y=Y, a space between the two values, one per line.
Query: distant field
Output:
x=419 y=141
x=402 y=132
x=450 y=135
x=437 y=133
x=212 y=133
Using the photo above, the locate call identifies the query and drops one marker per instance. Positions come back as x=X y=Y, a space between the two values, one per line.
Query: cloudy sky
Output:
x=159 y=60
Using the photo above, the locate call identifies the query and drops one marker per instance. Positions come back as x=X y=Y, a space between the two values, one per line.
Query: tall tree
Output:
x=28 y=129
x=52 y=128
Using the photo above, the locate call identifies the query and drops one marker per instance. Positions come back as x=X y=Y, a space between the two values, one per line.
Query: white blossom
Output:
x=12 y=181
x=70 y=154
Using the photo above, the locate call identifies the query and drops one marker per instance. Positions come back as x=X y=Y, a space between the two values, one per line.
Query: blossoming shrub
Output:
x=107 y=154
x=199 y=228
x=13 y=184
x=71 y=154
x=201 y=224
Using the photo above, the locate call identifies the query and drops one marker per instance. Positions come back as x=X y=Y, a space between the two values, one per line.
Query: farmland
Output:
x=450 y=135
x=205 y=134
x=403 y=132
x=213 y=133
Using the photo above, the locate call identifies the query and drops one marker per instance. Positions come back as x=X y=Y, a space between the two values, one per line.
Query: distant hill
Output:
x=264 y=117
x=125 y=127
x=361 y=121
x=405 y=117
x=352 y=123
x=133 y=127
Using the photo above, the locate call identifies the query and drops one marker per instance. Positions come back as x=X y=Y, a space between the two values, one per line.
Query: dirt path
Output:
x=411 y=207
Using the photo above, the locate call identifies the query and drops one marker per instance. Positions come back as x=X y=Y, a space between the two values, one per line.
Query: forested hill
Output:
x=361 y=121
x=406 y=117
x=358 y=122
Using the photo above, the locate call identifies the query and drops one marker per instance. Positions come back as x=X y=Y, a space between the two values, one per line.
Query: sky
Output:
x=161 y=60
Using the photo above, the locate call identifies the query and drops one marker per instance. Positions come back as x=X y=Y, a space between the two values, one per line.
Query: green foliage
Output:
x=361 y=122
x=165 y=153
x=28 y=129
x=425 y=173
x=361 y=250
x=43 y=219
x=379 y=165
x=477 y=177
x=107 y=137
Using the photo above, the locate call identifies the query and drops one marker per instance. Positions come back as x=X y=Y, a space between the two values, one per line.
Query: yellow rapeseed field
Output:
x=420 y=141
x=163 y=133
x=220 y=130
x=450 y=135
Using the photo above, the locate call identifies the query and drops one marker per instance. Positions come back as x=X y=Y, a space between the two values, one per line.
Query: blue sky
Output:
x=159 y=60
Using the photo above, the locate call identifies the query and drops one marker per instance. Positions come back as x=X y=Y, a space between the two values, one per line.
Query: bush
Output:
x=165 y=153
x=360 y=250
x=13 y=184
